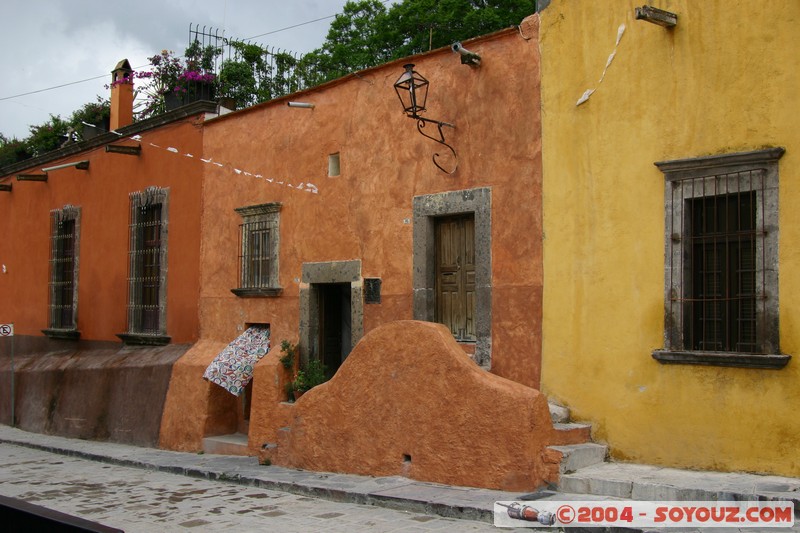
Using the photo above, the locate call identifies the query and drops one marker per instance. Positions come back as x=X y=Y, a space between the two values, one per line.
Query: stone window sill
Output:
x=271 y=292
x=141 y=339
x=63 y=334
x=740 y=360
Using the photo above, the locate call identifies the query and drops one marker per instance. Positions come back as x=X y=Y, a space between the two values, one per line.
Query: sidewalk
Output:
x=391 y=492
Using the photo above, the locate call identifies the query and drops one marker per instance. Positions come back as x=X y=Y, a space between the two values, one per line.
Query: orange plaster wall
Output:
x=366 y=212
x=189 y=407
x=102 y=193
x=270 y=412
x=195 y=408
x=388 y=412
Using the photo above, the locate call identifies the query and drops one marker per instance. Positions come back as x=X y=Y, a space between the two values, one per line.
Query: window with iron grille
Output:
x=63 y=294
x=147 y=267
x=721 y=269
x=259 y=240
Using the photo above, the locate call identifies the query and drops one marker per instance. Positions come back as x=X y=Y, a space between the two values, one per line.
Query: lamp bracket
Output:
x=421 y=123
x=657 y=16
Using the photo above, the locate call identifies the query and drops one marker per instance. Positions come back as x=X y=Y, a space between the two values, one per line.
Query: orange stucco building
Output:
x=358 y=198
x=101 y=243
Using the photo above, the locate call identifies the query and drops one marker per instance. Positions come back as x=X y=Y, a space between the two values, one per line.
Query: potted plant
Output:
x=171 y=82
x=299 y=384
x=198 y=81
x=308 y=378
x=193 y=85
x=315 y=373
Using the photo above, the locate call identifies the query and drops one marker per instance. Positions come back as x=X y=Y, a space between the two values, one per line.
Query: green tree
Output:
x=12 y=150
x=91 y=112
x=48 y=136
x=357 y=38
x=285 y=78
x=416 y=26
x=365 y=34
x=91 y=118
x=246 y=78
x=201 y=58
x=53 y=133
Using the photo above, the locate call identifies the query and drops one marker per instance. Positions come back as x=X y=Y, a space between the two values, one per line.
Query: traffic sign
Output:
x=6 y=330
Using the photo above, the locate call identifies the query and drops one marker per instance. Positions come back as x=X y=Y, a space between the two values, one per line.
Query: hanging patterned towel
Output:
x=232 y=369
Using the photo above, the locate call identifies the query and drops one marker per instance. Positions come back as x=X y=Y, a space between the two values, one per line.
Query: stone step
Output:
x=558 y=413
x=653 y=483
x=571 y=433
x=233 y=444
x=577 y=456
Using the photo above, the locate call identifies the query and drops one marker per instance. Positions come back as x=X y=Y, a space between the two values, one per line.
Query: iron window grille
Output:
x=259 y=240
x=147 y=262
x=254 y=256
x=721 y=251
x=724 y=302
x=63 y=285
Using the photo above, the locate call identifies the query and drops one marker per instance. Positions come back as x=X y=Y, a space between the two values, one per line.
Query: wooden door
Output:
x=455 y=275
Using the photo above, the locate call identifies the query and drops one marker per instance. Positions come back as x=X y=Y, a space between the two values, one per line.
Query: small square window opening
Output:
x=334 y=168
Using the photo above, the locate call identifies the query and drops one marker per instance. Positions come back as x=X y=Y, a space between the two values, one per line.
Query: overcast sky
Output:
x=56 y=42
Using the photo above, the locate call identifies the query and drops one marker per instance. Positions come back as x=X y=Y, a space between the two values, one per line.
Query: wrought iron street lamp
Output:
x=412 y=89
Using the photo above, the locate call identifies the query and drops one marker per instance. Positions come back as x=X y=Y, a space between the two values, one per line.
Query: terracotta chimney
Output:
x=121 y=95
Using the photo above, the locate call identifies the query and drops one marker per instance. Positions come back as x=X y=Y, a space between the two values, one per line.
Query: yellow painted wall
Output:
x=724 y=80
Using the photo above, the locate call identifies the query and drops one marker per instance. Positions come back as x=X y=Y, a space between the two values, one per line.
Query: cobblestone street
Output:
x=141 y=500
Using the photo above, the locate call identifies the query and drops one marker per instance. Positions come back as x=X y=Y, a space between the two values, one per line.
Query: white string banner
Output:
x=304 y=186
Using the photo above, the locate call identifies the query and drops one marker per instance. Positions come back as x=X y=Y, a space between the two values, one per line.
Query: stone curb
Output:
x=394 y=492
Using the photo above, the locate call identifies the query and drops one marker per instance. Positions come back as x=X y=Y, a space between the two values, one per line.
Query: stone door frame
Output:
x=426 y=209
x=328 y=272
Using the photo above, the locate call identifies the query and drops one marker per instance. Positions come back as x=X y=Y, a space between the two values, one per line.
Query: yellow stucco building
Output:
x=671 y=236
